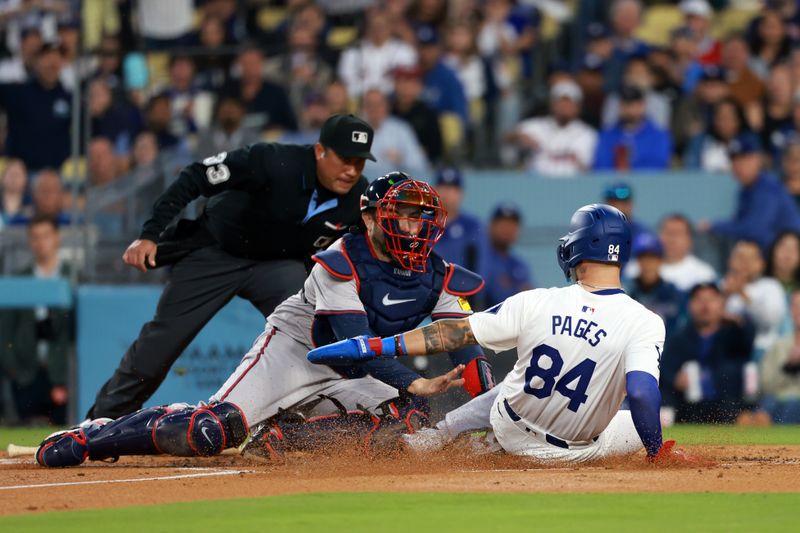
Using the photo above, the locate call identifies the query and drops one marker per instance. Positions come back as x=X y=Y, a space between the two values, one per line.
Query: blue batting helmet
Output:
x=597 y=232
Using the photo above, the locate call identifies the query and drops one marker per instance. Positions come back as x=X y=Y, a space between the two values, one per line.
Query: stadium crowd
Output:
x=557 y=89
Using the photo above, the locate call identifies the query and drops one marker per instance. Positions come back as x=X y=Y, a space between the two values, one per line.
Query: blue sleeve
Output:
x=755 y=222
x=644 y=399
x=694 y=152
x=464 y=355
x=604 y=154
x=390 y=371
x=349 y=325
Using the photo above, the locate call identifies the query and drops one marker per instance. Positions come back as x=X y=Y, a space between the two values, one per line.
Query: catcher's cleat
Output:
x=68 y=448
x=266 y=445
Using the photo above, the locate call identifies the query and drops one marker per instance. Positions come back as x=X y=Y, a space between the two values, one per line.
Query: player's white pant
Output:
x=618 y=439
x=275 y=373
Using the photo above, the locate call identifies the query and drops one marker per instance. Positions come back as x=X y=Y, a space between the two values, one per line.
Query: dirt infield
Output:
x=26 y=488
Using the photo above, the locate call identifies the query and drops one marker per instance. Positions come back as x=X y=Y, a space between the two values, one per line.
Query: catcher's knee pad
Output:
x=205 y=430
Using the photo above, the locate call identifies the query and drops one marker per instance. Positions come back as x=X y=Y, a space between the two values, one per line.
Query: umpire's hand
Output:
x=138 y=252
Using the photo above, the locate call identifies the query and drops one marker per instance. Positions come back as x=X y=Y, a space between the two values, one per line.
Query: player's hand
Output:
x=140 y=253
x=433 y=386
x=355 y=350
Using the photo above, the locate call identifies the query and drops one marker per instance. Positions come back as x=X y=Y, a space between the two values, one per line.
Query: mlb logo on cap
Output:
x=360 y=137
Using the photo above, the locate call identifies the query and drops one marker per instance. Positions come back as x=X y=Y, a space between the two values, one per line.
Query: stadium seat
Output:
x=342 y=36
x=76 y=176
x=658 y=21
x=158 y=65
x=271 y=17
x=452 y=132
x=731 y=20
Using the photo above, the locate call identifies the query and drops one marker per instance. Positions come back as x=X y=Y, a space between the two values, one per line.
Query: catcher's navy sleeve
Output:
x=390 y=371
x=644 y=399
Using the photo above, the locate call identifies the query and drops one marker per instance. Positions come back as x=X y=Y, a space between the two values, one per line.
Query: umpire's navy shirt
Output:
x=38 y=123
x=264 y=202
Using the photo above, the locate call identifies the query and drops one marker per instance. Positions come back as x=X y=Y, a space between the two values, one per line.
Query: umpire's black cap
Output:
x=348 y=136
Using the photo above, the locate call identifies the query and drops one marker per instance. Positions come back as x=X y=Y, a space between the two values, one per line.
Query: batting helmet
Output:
x=597 y=232
x=411 y=216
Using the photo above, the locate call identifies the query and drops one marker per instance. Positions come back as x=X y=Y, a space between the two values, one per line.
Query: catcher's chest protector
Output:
x=396 y=300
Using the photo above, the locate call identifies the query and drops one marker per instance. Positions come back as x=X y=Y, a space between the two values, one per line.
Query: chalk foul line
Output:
x=132 y=480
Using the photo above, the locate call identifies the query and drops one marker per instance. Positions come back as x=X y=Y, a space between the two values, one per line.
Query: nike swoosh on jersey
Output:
x=388 y=301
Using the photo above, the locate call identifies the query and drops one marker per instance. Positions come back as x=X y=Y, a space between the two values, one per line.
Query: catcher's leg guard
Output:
x=68 y=448
x=203 y=431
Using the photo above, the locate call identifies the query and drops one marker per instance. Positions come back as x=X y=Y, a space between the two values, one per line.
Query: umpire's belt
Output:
x=550 y=439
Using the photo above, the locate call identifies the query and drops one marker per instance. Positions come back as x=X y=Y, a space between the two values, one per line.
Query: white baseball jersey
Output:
x=574 y=349
x=563 y=150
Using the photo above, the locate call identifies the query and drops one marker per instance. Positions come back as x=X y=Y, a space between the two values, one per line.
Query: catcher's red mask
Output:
x=413 y=220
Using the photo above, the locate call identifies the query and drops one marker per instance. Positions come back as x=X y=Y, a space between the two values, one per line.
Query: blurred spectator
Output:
x=315 y=113
x=694 y=112
x=745 y=85
x=118 y=121
x=103 y=164
x=626 y=16
x=559 y=144
x=37 y=342
x=336 y=98
x=779 y=113
x=770 y=44
x=409 y=107
x=300 y=69
x=19 y=16
x=464 y=241
x=226 y=133
x=682 y=66
x=395 y=145
x=148 y=174
x=703 y=361
x=780 y=374
x=508 y=274
x=165 y=25
x=442 y=89
x=635 y=143
x=75 y=69
x=698 y=15
x=48 y=196
x=109 y=66
x=639 y=74
x=22 y=66
x=267 y=104
x=462 y=56
x=39 y=114
x=227 y=12
x=370 y=63
x=764 y=208
x=649 y=288
x=754 y=296
x=783 y=265
x=681 y=267
x=620 y=195
x=215 y=62
x=599 y=48
x=709 y=150
x=15 y=204
x=791 y=169
x=157 y=120
x=191 y=106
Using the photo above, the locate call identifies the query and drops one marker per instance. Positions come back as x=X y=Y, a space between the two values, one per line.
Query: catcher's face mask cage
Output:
x=413 y=220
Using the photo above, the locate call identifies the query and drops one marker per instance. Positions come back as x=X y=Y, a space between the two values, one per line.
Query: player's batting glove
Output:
x=355 y=350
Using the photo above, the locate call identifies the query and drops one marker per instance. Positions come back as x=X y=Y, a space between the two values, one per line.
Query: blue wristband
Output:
x=388 y=348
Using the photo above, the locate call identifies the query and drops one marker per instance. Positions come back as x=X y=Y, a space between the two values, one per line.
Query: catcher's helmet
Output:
x=597 y=232
x=404 y=205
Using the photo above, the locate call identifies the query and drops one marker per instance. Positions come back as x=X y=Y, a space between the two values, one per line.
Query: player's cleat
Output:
x=266 y=445
x=68 y=448
x=426 y=440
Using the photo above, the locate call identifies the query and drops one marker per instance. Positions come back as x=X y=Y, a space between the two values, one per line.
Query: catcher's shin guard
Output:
x=68 y=448
x=202 y=431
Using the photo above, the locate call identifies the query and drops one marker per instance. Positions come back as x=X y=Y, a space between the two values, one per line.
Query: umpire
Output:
x=270 y=206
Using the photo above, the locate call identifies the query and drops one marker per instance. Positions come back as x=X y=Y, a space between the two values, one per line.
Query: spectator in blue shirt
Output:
x=635 y=142
x=649 y=288
x=626 y=16
x=443 y=90
x=620 y=195
x=39 y=114
x=508 y=274
x=464 y=241
x=764 y=208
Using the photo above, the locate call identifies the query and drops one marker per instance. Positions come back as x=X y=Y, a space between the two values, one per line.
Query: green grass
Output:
x=438 y=512
x=684 y=434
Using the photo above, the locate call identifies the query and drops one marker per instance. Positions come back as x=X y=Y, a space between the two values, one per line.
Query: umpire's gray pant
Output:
x=197 y=287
